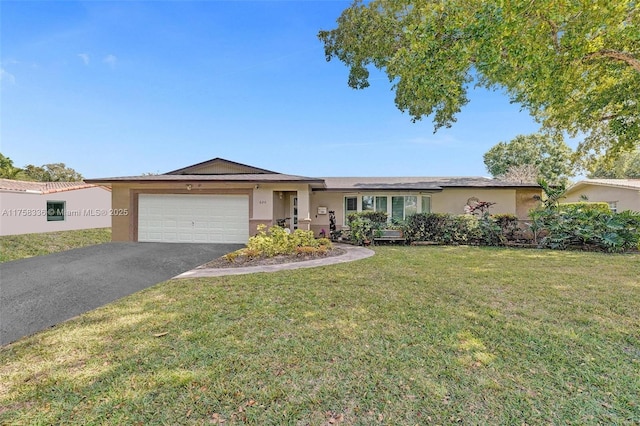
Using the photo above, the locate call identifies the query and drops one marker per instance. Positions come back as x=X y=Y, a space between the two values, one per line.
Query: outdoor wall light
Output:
x=257 y=186
x=280 y=195
x=188 y=187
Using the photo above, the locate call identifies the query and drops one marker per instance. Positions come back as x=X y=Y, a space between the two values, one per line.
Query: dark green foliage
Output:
x=552 y=193
x=550 y=156
x=573 y=65
x=426 y=226
x=375 y=217
x=588 y=228
x=363 y=225
x=508 y=224
x=456 y=229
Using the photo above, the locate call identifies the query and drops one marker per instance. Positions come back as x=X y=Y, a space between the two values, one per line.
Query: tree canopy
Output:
x=626 y=166
x=575 y=65
x=55 y=172
x=7 y=169
x=551 y=157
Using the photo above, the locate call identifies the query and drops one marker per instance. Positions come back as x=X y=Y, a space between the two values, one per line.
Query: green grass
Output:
x=13 y=247
x=413 y=335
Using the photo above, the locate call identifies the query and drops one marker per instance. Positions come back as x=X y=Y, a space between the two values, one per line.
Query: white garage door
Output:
x=178 y=218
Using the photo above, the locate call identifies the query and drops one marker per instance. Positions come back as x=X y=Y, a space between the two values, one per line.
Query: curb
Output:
x=352 y=253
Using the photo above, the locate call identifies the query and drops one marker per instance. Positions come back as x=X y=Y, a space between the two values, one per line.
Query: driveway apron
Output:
x=39 y=292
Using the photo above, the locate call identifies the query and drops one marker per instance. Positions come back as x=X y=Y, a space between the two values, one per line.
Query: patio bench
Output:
x=392 y=235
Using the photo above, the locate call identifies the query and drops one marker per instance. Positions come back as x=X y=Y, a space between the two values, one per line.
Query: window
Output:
x=350 y=206
x=426 y=204
x=55 y=211
x=367 y=203
x=399 y=208
x=410 y=205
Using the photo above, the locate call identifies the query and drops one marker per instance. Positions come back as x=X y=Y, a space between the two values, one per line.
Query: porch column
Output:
x=304 y=214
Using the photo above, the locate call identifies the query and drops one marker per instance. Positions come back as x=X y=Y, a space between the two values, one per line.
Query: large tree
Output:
x=55 y=172
x=575 y=65
x=626 y=166
x=551 y=157
x=7 y=169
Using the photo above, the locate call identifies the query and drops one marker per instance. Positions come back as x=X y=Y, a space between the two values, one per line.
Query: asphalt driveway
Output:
x=39 y=292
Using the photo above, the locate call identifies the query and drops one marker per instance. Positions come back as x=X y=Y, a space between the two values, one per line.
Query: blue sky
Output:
x=123 y=88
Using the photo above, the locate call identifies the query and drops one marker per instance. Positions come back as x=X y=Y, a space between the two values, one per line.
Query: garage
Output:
x=186 y=218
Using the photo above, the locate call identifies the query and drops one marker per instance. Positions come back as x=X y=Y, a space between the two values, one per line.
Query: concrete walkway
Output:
x=351 y=253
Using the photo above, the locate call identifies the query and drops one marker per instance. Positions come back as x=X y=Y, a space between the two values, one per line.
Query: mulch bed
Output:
x=245 y=261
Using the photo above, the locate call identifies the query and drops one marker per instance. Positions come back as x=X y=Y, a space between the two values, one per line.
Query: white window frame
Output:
x=389 y=196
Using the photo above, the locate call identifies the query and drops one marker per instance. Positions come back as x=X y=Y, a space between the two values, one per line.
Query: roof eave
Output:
x=194 y=178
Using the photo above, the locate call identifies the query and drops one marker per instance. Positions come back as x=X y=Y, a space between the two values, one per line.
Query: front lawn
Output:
x=13 y=247
x=413 y=335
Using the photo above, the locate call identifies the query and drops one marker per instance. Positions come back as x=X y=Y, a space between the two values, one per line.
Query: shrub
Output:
x=584 y=205
x=279 y=241
x=491 y=231
x=323 y=242
x=231 y=257
x=375 y=217
x=425 y=226
x=362 y=225
x=508 y=223
x=460 y=229
x=361 y=229
x=588 y=228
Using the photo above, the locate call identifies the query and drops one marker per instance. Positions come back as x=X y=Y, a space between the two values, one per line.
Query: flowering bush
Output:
x=278 y=241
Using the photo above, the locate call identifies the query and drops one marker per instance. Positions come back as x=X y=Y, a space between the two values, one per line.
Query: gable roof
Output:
x=613 y=183
x=219 y=166
x=216 y=170
x=417 y=183
x=9 y=185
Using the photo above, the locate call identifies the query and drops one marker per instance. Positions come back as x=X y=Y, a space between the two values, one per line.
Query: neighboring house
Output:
x=30 y=207
x=621 y=194
x=224 y=201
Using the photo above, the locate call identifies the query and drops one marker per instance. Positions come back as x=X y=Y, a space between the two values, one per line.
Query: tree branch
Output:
x=628 y=58
x=554 y=34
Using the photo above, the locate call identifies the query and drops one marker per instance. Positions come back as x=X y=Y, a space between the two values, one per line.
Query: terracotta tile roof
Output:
x=41 y=187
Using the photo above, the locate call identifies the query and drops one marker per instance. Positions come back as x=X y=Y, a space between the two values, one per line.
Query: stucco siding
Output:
x=120 y=199
x=333 y=201
x=625 y=198
x=26 y=213
x=266 y=205
x=526 y=200
x=453 y=200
